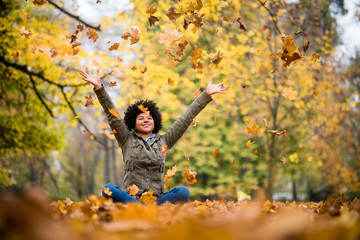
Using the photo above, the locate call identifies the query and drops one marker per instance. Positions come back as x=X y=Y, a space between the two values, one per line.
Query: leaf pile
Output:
x=27 y=215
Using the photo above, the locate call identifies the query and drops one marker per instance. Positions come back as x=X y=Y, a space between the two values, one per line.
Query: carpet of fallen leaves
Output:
x=30 y=215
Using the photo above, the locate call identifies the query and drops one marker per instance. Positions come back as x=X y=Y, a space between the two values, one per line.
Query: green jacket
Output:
x=144 y=162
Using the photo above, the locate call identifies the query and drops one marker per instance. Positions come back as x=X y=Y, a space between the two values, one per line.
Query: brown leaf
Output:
x=172 y=14
x=143 y=69
x=170 y=82
x=152 y=20
x=125 y=35
x=39 y=2
x=255 y=152
x=216 y=152
x=134 y=36
x=216 y=60
x=242 y=26
x=306 y=45
x=89 y=101
x=112 y=84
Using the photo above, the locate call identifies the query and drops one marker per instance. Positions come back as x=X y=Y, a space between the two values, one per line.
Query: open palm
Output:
x=94 y=79
x=216 y=88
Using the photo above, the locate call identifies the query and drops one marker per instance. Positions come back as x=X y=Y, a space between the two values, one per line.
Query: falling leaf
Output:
x=196 y=92
x=186 y=23
x=151 y=9
x=216 y=60
x=252 y=129
x=15 y=54
x=198 y=67
x=119 y=59
x=289 y=47
x=113 y=131
x=167 y=185
x=89 y=101
x=315 y=92
x=186 y=156
x=26 y=33
x=143 y=69
x=54 y=52
x=242 y=26
x=143 y=109
x=147 y=198
x=39 y=2
x=78 y=116
x=115 y=46
x=306 y=45
x=298 y=32
x=172 y=63
x=170 y=82
x=107 y=191
x=283 y=160
x=284 y=133
x=170 y=172
x=265 y=122
x=233 y=162
x=133 y=190
x=290 y=93
x=134 y=36
x=268 y=37
x=169 y=36
x=315 y=57
x=89 y=134
x=133 y=68
x=114 y=113
x=195 y=55
x=255 y=152
x=125 y=35
x=152 y=20
x=164 y=149
x=92 y=34
x=112 y=84
x=249 y=143
x=98 y=1
x=189 y=175
x=116 y=72
x=172 y=14
x=216 y=152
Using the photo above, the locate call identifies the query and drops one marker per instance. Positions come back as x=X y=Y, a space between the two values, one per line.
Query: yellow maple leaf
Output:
x=195 y=55
x=290 y=93
x=107 y=191
x=143 y=109
x=147 y=198
x=249 y=143
x=170 y=172
x=114 y=112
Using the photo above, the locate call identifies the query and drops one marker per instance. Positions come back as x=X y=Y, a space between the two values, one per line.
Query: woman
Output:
x=141 y=144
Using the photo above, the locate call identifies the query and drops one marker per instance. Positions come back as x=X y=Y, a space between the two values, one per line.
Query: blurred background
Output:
x=291 y=65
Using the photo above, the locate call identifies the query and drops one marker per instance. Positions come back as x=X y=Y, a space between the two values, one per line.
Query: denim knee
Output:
x=184 y=192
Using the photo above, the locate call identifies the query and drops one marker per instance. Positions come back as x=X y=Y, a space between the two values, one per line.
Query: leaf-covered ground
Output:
x=29 y=215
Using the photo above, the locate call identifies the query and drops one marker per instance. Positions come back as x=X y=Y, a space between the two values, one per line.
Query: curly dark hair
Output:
x=133 y=111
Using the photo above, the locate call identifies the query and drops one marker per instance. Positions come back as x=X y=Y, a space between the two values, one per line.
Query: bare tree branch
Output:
x=271 y=15
x=98 y=28
x=40 y=97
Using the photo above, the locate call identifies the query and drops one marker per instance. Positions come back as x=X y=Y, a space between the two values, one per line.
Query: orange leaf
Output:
x=92 y=34
x=249 y=143
x=189 y=175
x=255 y=152
x=15 y=54
x=151 y=9
x=89 y=134
x=143 y=109
x=233 y=162
x=112 y=84
x=170 y=172
x=114 y=113
x=195 y=55
x=170 y=82
x=252 y=130
x=115 y=46
x=79 y=115
x=216 y=152
x=26 y=33
x=134 y=36
x=196 y=92
x=113 y=131
x=133 y=190
x=168 y=185
x=164 y=149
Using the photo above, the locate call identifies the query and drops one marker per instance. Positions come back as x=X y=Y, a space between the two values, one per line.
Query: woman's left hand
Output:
x=216 y=88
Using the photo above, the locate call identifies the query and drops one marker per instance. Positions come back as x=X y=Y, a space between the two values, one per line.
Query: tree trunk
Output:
x=85 y=168
x=293 y=183
x=115 y=172
x=93 y=167
x=47 y=169
x=107 y=161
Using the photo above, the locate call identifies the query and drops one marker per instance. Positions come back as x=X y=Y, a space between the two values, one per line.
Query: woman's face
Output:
x=144 y=123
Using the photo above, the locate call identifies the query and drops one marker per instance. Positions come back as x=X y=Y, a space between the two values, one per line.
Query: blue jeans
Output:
x=176 y=195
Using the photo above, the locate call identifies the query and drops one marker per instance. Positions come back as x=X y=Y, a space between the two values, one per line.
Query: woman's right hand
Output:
x=94 y=79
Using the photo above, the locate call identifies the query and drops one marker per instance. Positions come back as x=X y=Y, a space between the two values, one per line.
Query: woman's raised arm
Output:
x=115 y=123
